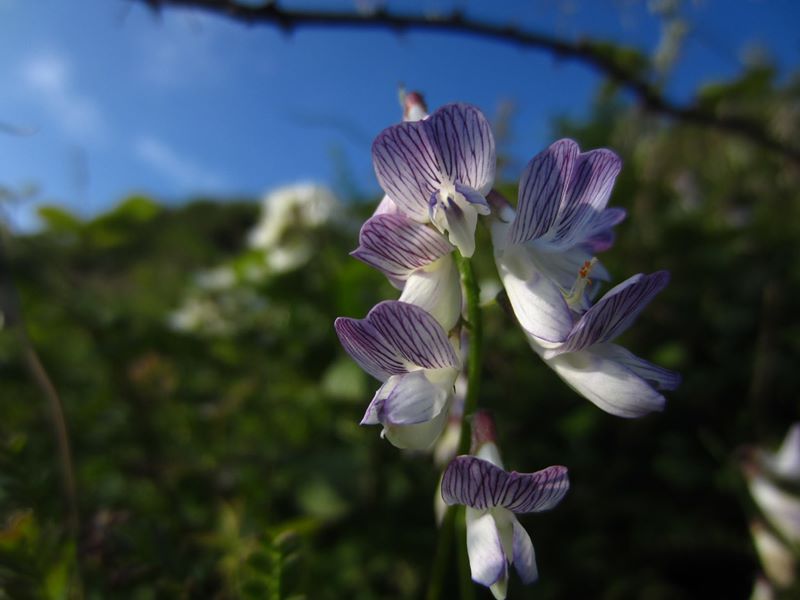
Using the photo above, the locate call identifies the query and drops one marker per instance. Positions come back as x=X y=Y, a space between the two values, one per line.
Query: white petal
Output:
x=487 y=560
x=538 y=303
x=524 y=555
x=500 y=589
x=776 y=558
x=780 y=508
x=607 y=383
x=386 y=206
x=786 y=462
x=437 y=290
x=659 y=377
x=416 y=437
x=490 y=453
x=563 y=267
x=409 y=399
x=452 y=213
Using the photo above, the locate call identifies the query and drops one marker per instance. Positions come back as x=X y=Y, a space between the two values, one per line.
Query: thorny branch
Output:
x=584 y=51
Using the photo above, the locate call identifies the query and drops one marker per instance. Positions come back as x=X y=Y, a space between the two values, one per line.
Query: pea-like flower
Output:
x=560 y=222
x=544 y=254
x=493 y=496
x=439 y=170
x=416 y=259
x=406 y=348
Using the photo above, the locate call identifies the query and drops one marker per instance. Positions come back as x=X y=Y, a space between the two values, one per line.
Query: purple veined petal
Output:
x=396 y=245
x=538 y=303
x=463 y=143
x=369 y=348
x=599 y=235
x=659 y=377
x=524 y=555
x=606 y=219
x=487 y=560
x=586 y=196
x=600 y=242
x=541 y=190
x=437 y=290
x=481 y=485
x=406 y=167
x=534 y=492
x=607 y=383
x=415 y=334
x=613 y=313
x=410 y=399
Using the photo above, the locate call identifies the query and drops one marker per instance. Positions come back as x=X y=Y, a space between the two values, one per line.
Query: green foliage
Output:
x=224 y=459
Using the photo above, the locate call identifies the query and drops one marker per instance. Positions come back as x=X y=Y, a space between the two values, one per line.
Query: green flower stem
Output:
x=475 y=328
x=444 y=545
x=454 y=523
x=465 y=583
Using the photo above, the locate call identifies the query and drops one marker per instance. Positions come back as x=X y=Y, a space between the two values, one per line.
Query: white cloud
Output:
x=181 y=170
x=49 y=79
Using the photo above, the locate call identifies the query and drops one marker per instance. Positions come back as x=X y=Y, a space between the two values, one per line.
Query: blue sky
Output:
x=113 y=99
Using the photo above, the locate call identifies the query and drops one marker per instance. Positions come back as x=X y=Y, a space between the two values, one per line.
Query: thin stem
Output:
x=475 y=352
x=453 y=524
x=444 y=545
x=466 y=586
x=9 y=302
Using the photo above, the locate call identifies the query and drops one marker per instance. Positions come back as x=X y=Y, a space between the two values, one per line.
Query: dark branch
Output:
x=587 y=52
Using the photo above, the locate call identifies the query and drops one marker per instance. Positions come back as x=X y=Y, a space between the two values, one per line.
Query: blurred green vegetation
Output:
x=227 y=461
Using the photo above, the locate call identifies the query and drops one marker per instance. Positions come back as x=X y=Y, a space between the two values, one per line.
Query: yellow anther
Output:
x=575 y=295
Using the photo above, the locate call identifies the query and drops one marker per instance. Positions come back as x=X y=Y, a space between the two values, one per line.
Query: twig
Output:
x=585 y=51
x=9 y=303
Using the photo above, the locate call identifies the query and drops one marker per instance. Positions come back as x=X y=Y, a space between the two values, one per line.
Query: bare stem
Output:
x=453 y=523
x=597 y=55
x=9 y=302
x=475 y=352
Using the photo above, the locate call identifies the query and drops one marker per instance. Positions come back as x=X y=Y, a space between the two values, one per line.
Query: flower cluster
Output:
x=438 y=174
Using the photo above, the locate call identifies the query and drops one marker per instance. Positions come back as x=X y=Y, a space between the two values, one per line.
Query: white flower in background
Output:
x=216 y=312
x=288 y=214
x=776 y=558
x=217 y=279
x=785 y=463
x=778 y=540
x=762 y=590
x=197 y=314
x=766 y=472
